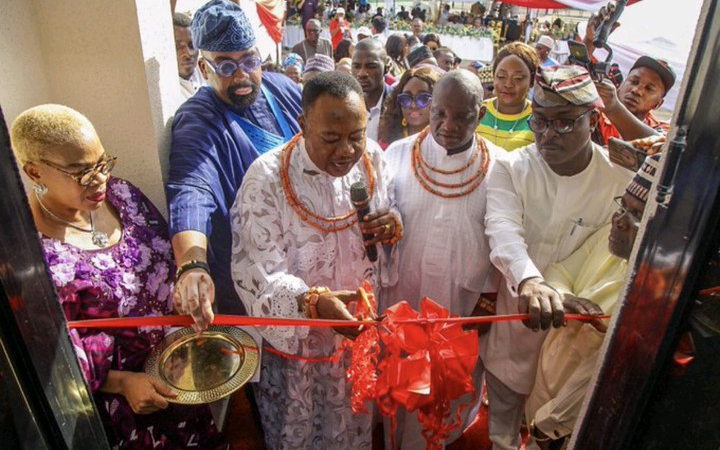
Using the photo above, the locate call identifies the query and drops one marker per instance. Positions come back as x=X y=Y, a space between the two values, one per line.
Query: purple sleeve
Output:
x=94 y=350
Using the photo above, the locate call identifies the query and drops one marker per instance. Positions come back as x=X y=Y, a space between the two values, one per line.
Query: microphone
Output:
x=361 y=200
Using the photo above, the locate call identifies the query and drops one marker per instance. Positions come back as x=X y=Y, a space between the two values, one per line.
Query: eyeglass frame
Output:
x=413 y=99
x=239 y=64
x=104 y=166
x=632 y=218
x=553 y=122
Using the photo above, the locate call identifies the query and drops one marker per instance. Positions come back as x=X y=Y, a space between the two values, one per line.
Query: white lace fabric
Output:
x=276 y=257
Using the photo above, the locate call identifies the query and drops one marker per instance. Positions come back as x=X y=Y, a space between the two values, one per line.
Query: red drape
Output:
x=560 y=3
x=271 y=14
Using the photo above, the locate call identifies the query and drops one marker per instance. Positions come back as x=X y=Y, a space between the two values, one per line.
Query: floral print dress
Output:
x=130 y=279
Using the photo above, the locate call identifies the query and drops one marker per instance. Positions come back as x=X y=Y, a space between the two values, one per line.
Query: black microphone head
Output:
x=359 y=192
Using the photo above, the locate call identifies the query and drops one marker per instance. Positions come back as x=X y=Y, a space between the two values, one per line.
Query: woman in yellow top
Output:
x=505 y=122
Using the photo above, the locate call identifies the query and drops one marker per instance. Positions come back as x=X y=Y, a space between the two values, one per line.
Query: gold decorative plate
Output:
x=205 y=367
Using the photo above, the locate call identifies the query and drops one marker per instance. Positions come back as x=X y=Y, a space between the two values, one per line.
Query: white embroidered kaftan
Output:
x=276 y=257
x=536 y=217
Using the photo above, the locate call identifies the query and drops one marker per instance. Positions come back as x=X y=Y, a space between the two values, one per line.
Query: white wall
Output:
x=23 y=79
x=114 y=61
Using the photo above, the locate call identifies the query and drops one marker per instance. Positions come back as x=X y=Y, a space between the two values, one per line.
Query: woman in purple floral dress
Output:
x=108 y=253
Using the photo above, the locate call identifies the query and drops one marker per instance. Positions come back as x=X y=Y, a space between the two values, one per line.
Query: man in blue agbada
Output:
x=216 y=135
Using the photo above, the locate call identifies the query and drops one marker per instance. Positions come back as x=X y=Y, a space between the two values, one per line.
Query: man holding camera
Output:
x=628 y=110
x=640 y=93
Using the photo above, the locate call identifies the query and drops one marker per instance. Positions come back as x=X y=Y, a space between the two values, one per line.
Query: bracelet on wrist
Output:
x=398 y=232
x=534 y=433
x=310 y=300
x=189 y=265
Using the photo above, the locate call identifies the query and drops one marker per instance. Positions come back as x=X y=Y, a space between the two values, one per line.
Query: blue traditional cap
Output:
x=221 y=26
x=293 y=59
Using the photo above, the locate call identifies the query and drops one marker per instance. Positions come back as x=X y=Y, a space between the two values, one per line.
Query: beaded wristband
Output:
x=189 y=265
x=487 y=304
x=310 y=300
x=398 y=232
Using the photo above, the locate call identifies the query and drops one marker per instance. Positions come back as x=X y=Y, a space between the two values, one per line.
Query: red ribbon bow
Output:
x=424 y=366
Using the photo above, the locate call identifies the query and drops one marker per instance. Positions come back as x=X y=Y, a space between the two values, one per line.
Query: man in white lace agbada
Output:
x=295 y=233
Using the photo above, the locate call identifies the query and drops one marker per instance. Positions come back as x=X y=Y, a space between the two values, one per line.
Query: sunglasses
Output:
x=421 y=100
x=561 y=126
x=87 y=176
x=227 y=67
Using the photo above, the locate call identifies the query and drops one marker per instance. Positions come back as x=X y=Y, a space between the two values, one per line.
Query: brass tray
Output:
x=205 y=367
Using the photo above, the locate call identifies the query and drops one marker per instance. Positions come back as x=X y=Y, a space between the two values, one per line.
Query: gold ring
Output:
x=386 y=227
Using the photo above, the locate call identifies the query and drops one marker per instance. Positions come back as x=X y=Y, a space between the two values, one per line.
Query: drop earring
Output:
x=404 y=122
x=39 y=189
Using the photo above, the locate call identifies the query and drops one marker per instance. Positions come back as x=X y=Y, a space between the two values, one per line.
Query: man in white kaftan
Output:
x=544 y=201
x=592 y=277
x=444 y=254
x=278 y=256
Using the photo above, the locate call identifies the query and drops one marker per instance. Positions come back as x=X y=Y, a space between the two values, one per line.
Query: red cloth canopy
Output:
x=587 y=5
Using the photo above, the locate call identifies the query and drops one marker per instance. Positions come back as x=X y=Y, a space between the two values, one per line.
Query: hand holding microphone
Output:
x=375 y=226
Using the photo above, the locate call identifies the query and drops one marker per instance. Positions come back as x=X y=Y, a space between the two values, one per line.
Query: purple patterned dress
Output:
x=129 y=279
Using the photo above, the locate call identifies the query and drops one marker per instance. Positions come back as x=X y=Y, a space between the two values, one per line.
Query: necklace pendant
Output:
x=100 y=239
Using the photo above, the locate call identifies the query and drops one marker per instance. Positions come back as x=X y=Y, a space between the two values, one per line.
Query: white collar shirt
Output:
x=536 y=217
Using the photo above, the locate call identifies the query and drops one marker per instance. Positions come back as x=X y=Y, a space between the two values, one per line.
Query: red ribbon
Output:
x=224 y=319
x=427 y=362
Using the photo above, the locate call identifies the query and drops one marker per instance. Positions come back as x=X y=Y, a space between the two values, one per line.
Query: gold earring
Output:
x=404 y=122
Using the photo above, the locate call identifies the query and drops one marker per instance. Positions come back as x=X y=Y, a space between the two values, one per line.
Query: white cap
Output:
x=340 y=10
x=547 y=41
x=365 y=31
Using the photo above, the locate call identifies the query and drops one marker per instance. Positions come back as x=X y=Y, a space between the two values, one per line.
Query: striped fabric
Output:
x=512 y=130
x=208 y=159
x=560 y=85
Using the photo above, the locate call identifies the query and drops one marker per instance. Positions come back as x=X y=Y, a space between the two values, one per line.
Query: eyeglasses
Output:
x=561 y=126
x=632 y=218
x=226 y=68
x=313 y=30
x=84 y=178
x=421 y=100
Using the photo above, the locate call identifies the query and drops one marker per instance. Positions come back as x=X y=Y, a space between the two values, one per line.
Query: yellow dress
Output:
x=509 y=131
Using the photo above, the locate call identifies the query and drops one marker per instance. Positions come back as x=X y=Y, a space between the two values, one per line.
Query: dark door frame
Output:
x=673 y=250
x=31 y=318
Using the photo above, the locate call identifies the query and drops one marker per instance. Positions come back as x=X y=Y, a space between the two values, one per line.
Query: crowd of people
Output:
x=488 y=206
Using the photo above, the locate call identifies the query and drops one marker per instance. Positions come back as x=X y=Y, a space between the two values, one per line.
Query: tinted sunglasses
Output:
x=227 y=67
x=421 y=100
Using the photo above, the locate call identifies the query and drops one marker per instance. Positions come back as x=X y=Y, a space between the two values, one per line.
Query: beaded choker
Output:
x=453 y=190
x=328 y=224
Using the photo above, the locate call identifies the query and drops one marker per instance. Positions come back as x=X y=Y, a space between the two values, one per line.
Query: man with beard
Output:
x=369 y=66
x=312 y=43
x=187 y=56
x=543 y=202
x=640 y=93
x=216 y=135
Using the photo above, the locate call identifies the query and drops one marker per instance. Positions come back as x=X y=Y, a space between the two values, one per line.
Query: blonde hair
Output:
x=47 y=125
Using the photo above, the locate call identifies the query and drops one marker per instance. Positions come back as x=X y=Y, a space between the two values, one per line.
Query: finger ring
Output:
x=386 y=227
